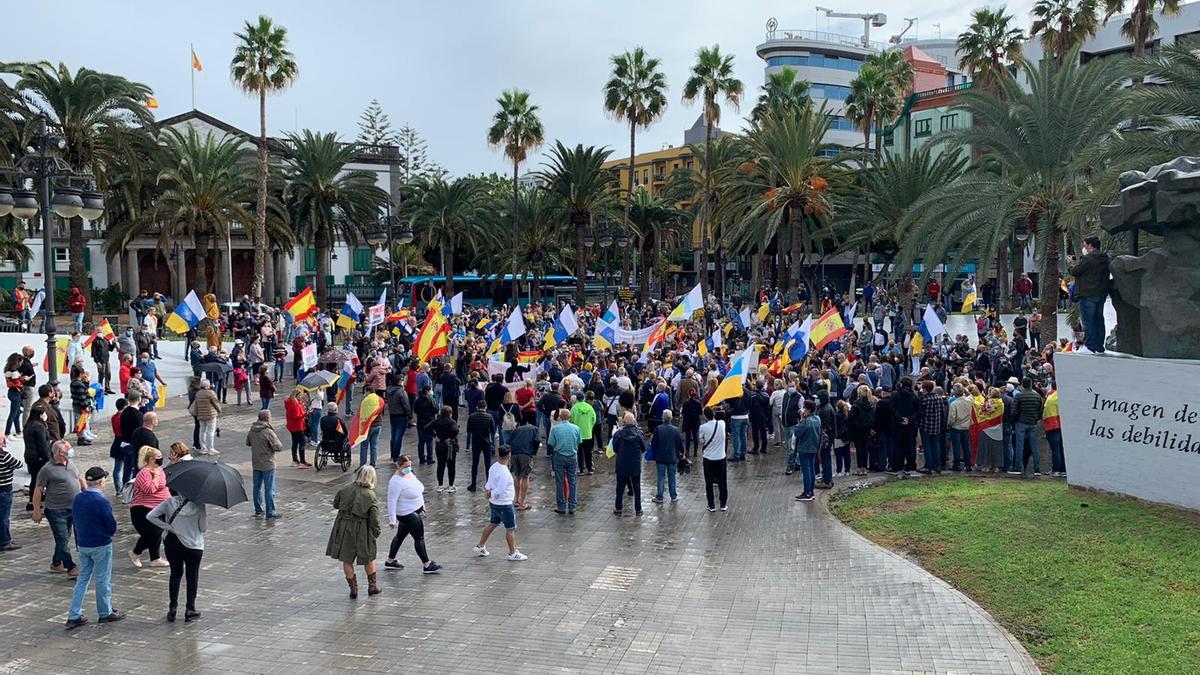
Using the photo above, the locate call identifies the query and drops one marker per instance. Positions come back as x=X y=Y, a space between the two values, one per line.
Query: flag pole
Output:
x=192 y=70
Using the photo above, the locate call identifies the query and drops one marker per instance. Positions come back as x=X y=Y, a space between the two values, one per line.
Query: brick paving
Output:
x=772 y=586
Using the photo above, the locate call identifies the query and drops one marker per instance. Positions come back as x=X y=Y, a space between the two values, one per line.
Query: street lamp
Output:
x=41 y=166
x=390 y=230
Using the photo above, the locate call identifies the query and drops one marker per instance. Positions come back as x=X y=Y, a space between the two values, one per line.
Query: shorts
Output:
x=504 y=513
x=521 y=466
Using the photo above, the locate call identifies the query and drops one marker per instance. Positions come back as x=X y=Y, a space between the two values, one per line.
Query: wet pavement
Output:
x=772 y=586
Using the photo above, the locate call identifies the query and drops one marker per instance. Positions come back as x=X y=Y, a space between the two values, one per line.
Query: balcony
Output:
x=790 y=34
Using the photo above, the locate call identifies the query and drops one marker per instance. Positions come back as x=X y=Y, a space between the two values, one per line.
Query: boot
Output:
x=353 y=581
x=373 y=587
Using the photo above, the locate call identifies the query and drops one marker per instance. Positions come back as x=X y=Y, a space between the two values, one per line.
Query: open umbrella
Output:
x=207 y=482
x=318 y=379
x=218 y=367
x=338 y=356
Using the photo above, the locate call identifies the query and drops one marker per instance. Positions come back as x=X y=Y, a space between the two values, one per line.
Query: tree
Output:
x=414 y=156
x=262 y=65
x=635 y=93
x=103 y=119
x=690 y=184
x=711 y=79
x=374 y=126
x=449 y=213
x=990 y=46
x=540 y=241
x=871 y=97
x=582 y=188
x=1038 y=147
x=1063 y=25
x=1172 y=106
x=1139 y=28
x=783 y=93
x=659 y=226
x=326 y=201
x=517 y=130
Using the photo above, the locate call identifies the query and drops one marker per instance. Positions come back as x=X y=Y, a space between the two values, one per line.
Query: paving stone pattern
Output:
x=772 y=586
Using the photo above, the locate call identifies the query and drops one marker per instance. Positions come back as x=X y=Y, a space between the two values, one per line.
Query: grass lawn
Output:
x=1090 y=583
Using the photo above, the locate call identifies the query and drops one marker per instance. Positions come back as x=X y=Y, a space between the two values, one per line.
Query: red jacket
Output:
x=293 y=408
x=76 y=303
x=1023 y=286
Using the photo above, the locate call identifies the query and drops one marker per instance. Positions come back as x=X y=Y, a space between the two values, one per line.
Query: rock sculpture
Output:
x=1157 y=295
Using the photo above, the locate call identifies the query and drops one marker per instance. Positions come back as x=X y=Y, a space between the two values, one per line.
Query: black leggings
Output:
x=714 y=472
x=184 y=561
x=406 y=525
x=299 y=445
x=444 y=461
x=149 y=534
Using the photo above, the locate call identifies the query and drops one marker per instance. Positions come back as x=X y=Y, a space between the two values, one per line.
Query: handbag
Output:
x=649 y=454
x=127 y=491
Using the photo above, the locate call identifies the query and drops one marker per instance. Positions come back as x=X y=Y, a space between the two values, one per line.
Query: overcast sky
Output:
x=437 y=65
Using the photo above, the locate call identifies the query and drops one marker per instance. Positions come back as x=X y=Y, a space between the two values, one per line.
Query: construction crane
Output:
x=878 y=20
x=908 y=23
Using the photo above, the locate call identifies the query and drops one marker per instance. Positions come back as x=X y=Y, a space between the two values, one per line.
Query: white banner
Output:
x=1131 y=425
x=308 y=356
x=636 y=337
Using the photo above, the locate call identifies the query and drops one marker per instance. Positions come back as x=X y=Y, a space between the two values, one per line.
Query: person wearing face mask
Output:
x=406 y=505
x=790 y=409
x=54 y=495
x=37 y=449
x=149 y=490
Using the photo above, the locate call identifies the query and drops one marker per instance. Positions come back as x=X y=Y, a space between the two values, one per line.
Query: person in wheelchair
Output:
x=333 y=431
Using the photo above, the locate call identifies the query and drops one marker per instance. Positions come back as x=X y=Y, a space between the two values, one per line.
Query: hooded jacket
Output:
x=264 y=443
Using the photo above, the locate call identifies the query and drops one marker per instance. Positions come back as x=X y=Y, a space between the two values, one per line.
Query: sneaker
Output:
x=674 y=499
x=724 y=508
x=431 y=568
x=481 y=551
x=712 y=509
x=133 y=558
x=1014 y=473
x=392 y=565
x=805 y=497
x=451 y=489
x=1037 y=473
x=656 y=500
x=517 y=556
x=789 y=472
x=272 y=516
x=159 y=562
x=76 y=623
x=441 y=489
x=824 y=486
x=11 y=547
x=113 y=616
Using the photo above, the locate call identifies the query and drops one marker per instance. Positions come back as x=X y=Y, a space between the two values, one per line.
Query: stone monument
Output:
x=1157 y=295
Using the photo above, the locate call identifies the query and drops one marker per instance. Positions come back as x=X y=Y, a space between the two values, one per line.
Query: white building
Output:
x=1109 y=42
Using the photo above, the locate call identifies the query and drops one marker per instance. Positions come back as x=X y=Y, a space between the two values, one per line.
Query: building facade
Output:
x=930 y=110
x=1108 y=42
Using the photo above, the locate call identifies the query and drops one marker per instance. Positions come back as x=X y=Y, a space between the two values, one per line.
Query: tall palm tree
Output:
x=989 y=46
x=1063 y=25
x=541 y=241
x=582 y=187
x=1139 y=27
x=871 y=98
x=659 y=225
x=326 y=201
x=104 y=120
x=261 y=65
x=689 y=185
x=1038 y=145
x=711 y=79
x=449 y=213
x=1172 y=105
x=517 y=130
x=635 y=93
x=783 y=92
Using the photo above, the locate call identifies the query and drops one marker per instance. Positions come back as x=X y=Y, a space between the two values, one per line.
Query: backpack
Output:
x=508 y=423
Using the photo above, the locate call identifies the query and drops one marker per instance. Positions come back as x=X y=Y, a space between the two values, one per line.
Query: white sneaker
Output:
x=481 y=551
x=133 y=558
x=441 y=489
x=451 y=489
x=517 y=556
x=160 y=562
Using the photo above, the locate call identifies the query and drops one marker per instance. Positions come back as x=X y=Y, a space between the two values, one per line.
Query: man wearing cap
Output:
x=94 y=530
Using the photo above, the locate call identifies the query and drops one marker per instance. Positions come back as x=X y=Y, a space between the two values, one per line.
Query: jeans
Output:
x=808 y=467
x=77 y=317
x=264 y=483
x=1058 y=461
x=739 y=428
x=1026 y=432
x=15 y=396
x=789 y=445
x=94 y=561
x=960 y=442
x=266 y=404
x=565 y=470
x=61 y=524
x=399 y=426
x=278 y=371
x=667 y=472
x=933 y=450
x=425 y=445
x=1091 y=314
x=314 y=426
x=6 y=500
x=372 y=444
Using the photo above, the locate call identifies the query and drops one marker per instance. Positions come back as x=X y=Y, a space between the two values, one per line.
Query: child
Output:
x=241 y=383
x=500 y=491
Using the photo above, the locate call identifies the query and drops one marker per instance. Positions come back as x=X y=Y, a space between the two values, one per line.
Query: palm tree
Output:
x=784 y=92
x=688 y=186
x=711 y=78
x=1063 y=25
x=636 y=93
x=103 y=119
x=989 y=46
x=518 y=131
x=660 y=226
x=262 y=65
x=540 y=241
x=582 y=187
x=872 y=97
x=1172 y=105
x=450 y=213
x=325 y=200
x=1038 y=146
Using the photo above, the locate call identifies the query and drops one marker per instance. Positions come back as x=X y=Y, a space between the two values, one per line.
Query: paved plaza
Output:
x=770 y=586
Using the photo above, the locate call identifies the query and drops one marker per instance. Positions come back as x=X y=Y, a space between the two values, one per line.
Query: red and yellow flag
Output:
x=985 y=414
x=301 y=306
x=368 y=411
x=196 y=62
x=105 y=330
x=434 y=338
x=151 y=103
x=827 y=328
x=81 y=421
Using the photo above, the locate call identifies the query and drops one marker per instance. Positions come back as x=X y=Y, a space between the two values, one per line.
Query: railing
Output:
x=943 y=90
x=822 y=36
x=368 y=293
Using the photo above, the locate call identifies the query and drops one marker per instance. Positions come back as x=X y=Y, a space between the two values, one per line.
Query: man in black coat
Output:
x=760 y=418
x=481 y=428
x=907 y=414
x=629 y=446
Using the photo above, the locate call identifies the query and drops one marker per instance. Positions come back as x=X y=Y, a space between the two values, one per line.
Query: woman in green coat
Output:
x=356 y=528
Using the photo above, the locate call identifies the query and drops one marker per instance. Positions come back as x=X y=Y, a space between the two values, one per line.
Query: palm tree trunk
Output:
x=1049 y=291
x=704 y=224
x=625 y=263
x=756 y=261
x=580 y=263
x=203 y=283
x=322 y=243
x=1018 y=264
x=447 y=254
x=260 y=218
x=516 y=288
x=77 y=268
x=853 y=275
x=646 y=242
x=1003 y=279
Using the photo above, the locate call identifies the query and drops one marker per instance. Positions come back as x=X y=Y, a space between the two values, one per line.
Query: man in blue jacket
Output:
x=94 y=530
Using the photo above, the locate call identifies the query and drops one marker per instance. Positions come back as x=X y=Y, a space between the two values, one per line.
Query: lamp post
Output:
x=385 y=232
x=42 y=166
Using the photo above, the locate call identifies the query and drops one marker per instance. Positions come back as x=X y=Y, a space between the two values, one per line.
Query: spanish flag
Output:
x=196 y=62
x=151 y=103
x=105 y=330
x=82 y=420
x=368 y=412
x=827 y=328
x=985 y=415
x=529 y=357
x=792 y=309
x=1050 y=420
x=434 y=338
x=301 y=306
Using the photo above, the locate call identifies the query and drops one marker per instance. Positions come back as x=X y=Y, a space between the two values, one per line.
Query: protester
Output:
x=371 y=407
x=629 y=446
x=149 y=490
x=444 y=431
x=583 y=416
x=185 y=522
x=712 y=450
x=1092 y=285
x=400 y=414
x=406 y=506
x=94 y=530
x=523 y=443
x=296 y=419
x=352 y=539
x=37 y=449
x=264 y=444
x=8 y=465
x=808 y=440
x=206 y=408
x=58 y=482
x=501 y=491
x=481 y=429
x=564 y=441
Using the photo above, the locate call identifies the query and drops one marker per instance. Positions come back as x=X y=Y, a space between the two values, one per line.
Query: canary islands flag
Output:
x=743 y=318
x=691 y=302
x=931 y=327
x=710 y=344
x=187 y=314
x=351 y=313
x=968 y=303
x=735 y=378
x=606 y=327
x=513 y=329
x=454 y=306
x=565 y=326
x=827 y=328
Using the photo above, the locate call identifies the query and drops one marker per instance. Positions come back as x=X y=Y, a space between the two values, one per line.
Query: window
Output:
x=1190 y=40
x=841 y=123
x=361 y=261
x=949 y=79
x=310 y=260
x=921 y=128
x=817 y=61
x=830 y=91
x=888 y=138
x=949 y=121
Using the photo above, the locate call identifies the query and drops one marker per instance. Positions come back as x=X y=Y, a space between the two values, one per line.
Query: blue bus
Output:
x=485 y=291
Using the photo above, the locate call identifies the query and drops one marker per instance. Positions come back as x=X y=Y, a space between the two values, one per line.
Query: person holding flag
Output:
x=931 y=327
x=351 y=314
x=565 y=325
x=187 y=315
x=605 y=335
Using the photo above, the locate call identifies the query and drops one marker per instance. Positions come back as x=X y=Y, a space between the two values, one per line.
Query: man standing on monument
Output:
x=1091 y=287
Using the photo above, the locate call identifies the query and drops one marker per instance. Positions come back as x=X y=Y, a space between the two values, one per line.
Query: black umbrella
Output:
x=207 y=482
x=219 y=367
